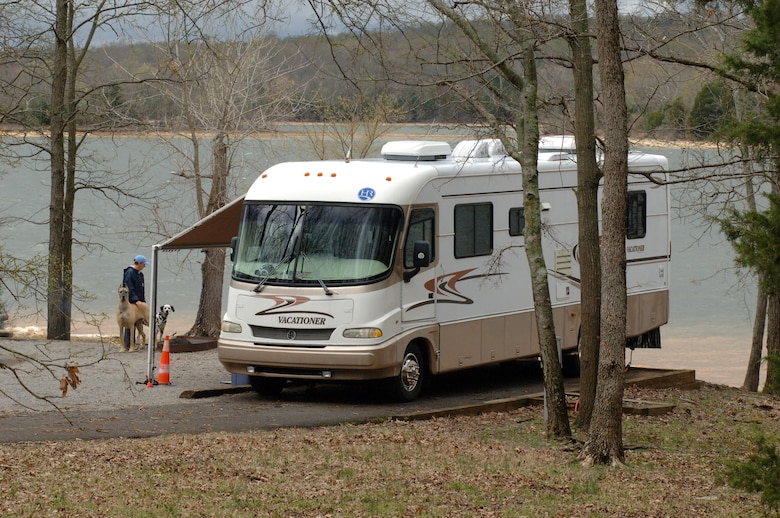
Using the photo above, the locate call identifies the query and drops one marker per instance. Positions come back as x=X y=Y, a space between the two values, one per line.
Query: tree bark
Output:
x=605 y=436
x=557 y=412
x=753 y=371
x=209 y=317
x=588 y=176
x=772 y=385
x=58 y=310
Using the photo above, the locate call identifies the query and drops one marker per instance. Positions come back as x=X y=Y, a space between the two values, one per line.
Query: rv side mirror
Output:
x=421 y=258
x=422 y=254
x=233 y=248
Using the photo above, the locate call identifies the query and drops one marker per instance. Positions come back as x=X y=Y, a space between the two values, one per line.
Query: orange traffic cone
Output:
x=164 y=374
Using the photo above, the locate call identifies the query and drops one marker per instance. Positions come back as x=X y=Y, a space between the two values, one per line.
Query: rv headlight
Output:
x=230 y=327
x=363 y=332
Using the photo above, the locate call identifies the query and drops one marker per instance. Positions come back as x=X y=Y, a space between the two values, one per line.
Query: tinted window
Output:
x=473 y=229
x=516 y=221
x=421 y=228
x=636 y=217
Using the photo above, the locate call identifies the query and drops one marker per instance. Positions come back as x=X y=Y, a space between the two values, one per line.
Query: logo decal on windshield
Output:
x=366 y=194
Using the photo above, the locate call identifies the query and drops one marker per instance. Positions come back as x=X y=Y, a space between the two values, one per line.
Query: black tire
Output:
x=408 y=384
x=268 y=387
x=571 y=364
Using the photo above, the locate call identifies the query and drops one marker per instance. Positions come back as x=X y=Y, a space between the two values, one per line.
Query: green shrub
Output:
x=713 y=109
x=759 y=473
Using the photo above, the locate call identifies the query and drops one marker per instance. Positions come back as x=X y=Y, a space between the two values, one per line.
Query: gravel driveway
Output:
x=110 y=379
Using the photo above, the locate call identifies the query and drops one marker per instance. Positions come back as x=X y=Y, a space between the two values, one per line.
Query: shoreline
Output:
x=447 y=131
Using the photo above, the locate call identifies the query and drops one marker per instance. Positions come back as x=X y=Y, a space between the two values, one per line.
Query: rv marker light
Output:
x=363 y=332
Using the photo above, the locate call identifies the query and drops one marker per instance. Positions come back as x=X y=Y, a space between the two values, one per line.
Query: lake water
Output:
x=709 y=329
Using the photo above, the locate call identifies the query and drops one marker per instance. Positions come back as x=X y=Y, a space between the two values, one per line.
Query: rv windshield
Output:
x=316 y=244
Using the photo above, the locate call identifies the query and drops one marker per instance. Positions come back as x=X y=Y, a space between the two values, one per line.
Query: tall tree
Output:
x=588 y=178
x=526 y=125
x=755 y=236
x=759 y=62
x=498 y=80
x=61 y=198
x=704 y=34
x=50 y=41
x=753 y=370
x=605 y=436
x=226 y=78
x=528 y=130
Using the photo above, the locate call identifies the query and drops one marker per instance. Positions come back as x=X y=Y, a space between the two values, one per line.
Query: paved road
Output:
x=113 y=401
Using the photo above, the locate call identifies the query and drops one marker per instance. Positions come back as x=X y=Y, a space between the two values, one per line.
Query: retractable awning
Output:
x=214 y=231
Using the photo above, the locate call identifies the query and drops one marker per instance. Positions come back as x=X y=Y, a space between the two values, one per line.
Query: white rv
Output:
x=414 y=264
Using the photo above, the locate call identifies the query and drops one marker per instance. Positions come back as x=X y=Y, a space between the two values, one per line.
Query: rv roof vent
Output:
x=415 y=150
x=484 y=148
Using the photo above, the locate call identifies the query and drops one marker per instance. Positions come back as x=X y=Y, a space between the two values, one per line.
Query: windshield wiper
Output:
x=324 y=287
x=259 y=287
x=268 y=270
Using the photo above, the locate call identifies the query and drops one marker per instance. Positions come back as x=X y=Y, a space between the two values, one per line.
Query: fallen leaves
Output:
x=494 y=464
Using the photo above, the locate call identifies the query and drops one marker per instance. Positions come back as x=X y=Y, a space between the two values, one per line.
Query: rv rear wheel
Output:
x=408 y=384
x=268 y=387
x=570 y=365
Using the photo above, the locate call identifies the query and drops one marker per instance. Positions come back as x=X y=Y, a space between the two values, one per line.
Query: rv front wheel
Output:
x=407 y=385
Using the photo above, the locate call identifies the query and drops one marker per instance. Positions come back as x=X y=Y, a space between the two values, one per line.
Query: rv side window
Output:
x=516 y=221
x=636 y=217
x=473 y=230
x=421 y=228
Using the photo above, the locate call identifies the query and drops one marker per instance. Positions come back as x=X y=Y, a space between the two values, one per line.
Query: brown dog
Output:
x=129 y=316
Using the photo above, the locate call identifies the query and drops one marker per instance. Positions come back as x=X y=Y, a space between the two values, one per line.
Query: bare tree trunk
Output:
x=588 y=176
x=752 y=374
x=208 y=319
x=753 y=371
x=759 y=324
x=70 y=177
x=557 y=415
x=57 y=320
x=605 y=436
x=772 y=385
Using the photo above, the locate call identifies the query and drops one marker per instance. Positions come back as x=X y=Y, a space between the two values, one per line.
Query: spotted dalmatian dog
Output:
x=161 y=318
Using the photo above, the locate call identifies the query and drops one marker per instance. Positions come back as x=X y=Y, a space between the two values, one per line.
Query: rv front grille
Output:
x=291 y=335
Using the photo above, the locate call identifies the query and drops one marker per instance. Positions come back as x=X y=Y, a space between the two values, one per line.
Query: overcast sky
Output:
x=298 y=17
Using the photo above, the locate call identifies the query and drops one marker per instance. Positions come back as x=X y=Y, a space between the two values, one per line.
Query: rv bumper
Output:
x=330 y=362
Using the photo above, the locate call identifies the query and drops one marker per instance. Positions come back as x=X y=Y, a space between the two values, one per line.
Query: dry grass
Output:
x=491 y=465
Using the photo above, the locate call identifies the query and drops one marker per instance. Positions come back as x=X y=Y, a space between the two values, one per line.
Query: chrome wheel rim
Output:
x=410 y=372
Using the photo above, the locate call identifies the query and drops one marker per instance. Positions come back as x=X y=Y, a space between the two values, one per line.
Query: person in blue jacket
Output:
x=133 y=278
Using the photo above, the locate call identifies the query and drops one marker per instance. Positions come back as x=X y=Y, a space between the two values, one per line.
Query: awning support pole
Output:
x=152 y=314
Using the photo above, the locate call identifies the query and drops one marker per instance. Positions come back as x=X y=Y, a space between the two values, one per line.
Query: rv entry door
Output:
x=418 y=293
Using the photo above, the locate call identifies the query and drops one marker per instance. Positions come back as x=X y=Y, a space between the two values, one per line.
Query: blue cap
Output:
x=141 y=259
